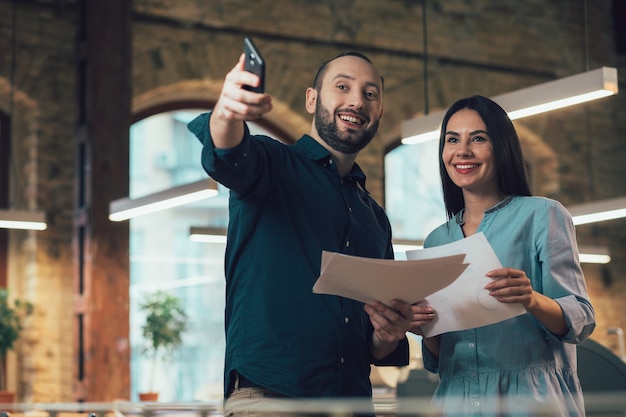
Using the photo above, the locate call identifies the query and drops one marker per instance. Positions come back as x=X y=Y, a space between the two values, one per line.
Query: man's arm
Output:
x=236 y=105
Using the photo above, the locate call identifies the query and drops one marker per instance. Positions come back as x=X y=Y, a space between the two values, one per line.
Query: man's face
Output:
x=349 y=104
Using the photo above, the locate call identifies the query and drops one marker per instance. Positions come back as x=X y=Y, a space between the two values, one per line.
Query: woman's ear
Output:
x=311 y=100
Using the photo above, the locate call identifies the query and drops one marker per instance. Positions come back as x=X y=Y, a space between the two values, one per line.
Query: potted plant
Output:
x=162 y=331
x=11 y=315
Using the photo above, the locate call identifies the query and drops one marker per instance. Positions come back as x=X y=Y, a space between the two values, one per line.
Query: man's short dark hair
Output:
x=317 y=81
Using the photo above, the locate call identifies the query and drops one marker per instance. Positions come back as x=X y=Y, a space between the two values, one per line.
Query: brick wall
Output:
x=41 y=263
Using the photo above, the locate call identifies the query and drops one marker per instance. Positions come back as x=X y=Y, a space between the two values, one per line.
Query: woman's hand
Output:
x=511 y=286
x=421 y=314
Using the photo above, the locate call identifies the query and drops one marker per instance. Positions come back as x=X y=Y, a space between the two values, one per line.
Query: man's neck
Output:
x=343 y=161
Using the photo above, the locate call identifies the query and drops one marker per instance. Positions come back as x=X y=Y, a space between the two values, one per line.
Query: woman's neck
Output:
x=475 y=207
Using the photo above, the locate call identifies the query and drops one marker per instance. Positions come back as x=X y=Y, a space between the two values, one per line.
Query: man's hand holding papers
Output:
x=449 y=278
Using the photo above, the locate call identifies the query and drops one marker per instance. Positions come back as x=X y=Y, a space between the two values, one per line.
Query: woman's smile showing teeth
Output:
x=465 y=167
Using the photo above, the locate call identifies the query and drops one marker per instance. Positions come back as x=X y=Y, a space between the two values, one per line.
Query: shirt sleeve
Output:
x=239 y=168
x=562 y=276
x=399 y=357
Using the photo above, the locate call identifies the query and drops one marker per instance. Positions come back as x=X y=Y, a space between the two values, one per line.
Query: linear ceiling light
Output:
x=594 y=254
x=598 y=211
x=23 y=219
x=575 y=89
x=126 y=208
x=207 y=234
x=587 y=254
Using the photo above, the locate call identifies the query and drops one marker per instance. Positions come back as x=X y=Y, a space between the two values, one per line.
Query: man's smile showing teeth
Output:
x=351 y=119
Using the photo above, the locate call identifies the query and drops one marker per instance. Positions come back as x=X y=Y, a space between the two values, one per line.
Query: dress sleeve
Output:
x=562 y=276
x=431 y=363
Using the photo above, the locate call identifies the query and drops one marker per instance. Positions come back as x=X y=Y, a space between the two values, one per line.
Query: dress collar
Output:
x=499 y=206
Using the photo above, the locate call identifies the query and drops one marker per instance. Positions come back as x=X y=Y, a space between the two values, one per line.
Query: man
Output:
x=287 y=204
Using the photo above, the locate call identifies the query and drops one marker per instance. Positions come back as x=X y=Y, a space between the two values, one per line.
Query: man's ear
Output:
x=311 y=100
x=382 y=110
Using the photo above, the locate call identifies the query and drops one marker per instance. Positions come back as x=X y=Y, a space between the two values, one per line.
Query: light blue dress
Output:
x=517 y=367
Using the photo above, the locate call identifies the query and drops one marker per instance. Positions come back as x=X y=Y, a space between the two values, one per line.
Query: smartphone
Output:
x=254 y=64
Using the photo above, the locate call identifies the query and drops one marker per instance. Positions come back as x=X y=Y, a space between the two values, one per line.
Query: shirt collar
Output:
x=313 y=150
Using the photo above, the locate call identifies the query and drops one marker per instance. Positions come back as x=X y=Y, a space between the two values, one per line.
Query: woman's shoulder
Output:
x=537 y=202
x=541 y=206
x=440 y=235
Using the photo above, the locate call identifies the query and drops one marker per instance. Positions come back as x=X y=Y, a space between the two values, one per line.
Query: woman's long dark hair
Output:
x=510 y=168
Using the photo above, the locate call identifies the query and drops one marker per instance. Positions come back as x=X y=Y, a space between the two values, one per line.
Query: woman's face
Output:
x=468 y=153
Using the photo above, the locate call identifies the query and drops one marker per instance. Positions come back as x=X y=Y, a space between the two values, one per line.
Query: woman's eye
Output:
x=451 y=139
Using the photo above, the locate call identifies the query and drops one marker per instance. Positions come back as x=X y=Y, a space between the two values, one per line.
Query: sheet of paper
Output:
x=367 y=280
x=465 y=304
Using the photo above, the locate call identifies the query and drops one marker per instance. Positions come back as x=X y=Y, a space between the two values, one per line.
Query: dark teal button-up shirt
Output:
x=288 y=204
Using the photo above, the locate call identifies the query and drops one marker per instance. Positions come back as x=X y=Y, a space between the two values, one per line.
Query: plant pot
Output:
x=148 y=396
x=6 y=398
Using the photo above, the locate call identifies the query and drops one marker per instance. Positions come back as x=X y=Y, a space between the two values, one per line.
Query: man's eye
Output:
x=371 y=94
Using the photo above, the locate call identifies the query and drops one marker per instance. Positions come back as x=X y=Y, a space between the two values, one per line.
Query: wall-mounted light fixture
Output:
x=207 y=234
x=23 y=219
x=126 y=208
x=575 y=89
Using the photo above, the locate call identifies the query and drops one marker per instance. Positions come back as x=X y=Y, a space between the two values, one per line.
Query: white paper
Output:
x=466 y=304
x=367 y=280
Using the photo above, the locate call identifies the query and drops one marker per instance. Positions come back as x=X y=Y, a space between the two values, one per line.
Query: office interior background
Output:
x=94 y=101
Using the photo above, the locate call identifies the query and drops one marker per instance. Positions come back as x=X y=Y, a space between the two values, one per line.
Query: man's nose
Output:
x=355 y=99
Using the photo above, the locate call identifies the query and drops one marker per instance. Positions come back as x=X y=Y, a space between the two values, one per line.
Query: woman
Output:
x=525 y=364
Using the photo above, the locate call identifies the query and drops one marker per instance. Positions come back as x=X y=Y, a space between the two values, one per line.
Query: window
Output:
x=413 y=195
x=164 y=154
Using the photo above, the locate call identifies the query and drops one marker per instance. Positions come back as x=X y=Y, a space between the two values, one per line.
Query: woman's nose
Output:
x=463 y=148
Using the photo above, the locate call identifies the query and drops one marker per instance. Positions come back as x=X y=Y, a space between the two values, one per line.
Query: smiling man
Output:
x=288 y=203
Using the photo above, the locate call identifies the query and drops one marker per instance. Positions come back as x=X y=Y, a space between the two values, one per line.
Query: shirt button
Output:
x=245 y=154
x=471 y=345
x=346 y=320
x=330 y=161
x=347 y=243
x=476 y=403
x=350 y=209
x=473 y=373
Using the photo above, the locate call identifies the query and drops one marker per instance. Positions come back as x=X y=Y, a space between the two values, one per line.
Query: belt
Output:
x=244 y=382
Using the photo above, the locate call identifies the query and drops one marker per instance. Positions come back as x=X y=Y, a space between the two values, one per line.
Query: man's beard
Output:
x=344 y=142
